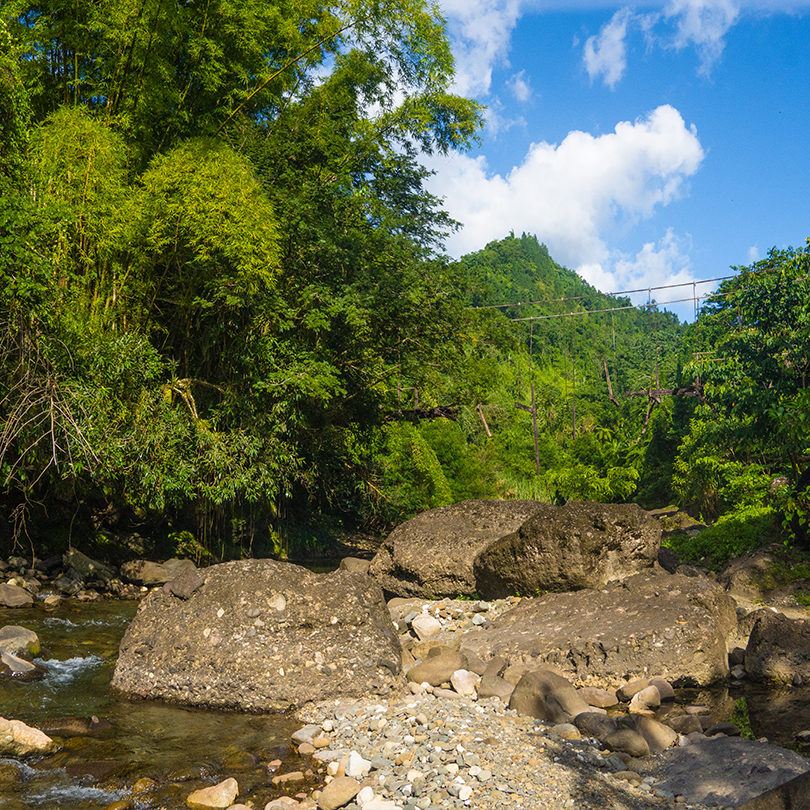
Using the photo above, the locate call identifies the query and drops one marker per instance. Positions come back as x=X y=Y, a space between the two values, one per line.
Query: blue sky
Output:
x=645 y=145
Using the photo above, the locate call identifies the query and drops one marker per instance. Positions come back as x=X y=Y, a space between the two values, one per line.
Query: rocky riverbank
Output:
x=435 y=747
x=565 y=698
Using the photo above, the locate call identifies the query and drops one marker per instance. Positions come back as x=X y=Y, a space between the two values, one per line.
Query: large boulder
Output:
x=432 y=555
x=84 y=568
x=728 y=771
x=145 y=572
x=653 y=623
x=547 y=696
x=792 y=795
x=261 y=635
x=566 y=548
x=13 y=596
x=778 y=649
x=743 y=577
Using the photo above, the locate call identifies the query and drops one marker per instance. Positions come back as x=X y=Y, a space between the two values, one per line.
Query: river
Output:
x=173 y=750
x=177 y=749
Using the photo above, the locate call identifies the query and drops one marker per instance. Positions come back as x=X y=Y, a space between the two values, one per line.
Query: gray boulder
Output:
x=547 y=696
x=657 y=623
x=595 y=724
x=355 y=564
x=743 y=577
x=738 y=638
x=145 y=572
x=792 y=795
x=18 y=640
x=658 y=736
x=566 y=548
x=12 y=596
x=438 y=667
x=495 y=686
x=432 y=555
x=86 y=569
x=728 y=771
x=261 y=635
x=627 y=740
x=778 y=649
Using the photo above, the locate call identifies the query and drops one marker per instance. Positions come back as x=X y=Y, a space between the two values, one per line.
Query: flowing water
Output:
x=107 y=744
x=100 y=760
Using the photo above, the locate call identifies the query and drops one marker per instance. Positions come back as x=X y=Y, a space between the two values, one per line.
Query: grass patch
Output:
x=742 y=530
x=792 y=565
x=740 y=718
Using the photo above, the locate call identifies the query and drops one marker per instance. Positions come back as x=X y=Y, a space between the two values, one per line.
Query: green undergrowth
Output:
x=792 y=565
x=740 y=718
x=739 y=531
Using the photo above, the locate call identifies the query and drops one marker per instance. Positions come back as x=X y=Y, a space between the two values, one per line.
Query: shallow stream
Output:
x=178 y=749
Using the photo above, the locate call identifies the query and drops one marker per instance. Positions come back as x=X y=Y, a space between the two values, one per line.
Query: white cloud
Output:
x=520 y=87
x=577 y=194
x=606 y=54
x=496 y=123
x=480 y=31
x=666 y=262
x=704 y=24
x=753 y=254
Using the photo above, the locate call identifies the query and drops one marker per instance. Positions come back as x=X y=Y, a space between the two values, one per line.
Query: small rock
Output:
x=339 y=792
x=567 y=731
x=216 y=796
x=18 y=640
x=17 y=666
x=306 y=734
x=464 y=682
x=628 y=776
x=425 y=626
x=357 y=766
x=17 y=738
x=288 y=778
x=729 y=729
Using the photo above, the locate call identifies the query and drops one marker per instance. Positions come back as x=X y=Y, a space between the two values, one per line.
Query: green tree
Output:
x=753 y=426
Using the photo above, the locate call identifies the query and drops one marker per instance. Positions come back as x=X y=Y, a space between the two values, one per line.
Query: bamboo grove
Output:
x=228 y=324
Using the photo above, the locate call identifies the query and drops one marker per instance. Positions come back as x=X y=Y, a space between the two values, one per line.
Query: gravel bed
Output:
x=425 y=751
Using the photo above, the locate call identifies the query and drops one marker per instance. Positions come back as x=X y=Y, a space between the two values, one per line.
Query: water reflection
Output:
x=179 y=749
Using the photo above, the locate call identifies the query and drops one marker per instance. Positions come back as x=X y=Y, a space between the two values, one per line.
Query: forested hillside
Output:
x=229 y=326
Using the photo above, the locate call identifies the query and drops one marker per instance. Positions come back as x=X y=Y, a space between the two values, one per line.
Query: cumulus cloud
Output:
x=753 y=254
x=656 y=264
x=577 y=194
x=496 y=123
x=606 y=54
x=702 y=24
x=520 y=87
x=480 y=31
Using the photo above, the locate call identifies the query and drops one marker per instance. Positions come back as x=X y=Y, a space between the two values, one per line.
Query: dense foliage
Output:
x=227 y=321
x=218 y=260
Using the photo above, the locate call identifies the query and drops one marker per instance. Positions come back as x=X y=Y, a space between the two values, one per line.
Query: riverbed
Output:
x=109 y=745
x=172 y=750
